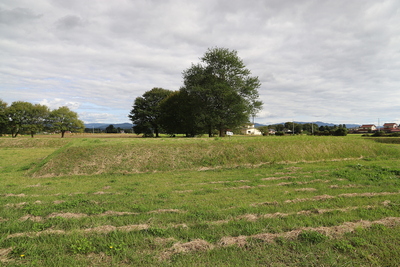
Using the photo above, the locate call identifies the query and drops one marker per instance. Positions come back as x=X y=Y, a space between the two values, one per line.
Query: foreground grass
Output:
x=338 y=208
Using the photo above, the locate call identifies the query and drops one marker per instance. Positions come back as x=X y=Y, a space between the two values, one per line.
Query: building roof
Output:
x=389 y=124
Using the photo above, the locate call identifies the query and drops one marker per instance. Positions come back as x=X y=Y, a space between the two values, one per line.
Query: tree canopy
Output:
x=218 y=93
x=63 y=119
x=23 y=117
x=146 y=113
x=222 y=89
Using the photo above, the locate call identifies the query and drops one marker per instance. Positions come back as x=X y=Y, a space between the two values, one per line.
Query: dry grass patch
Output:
x=192 y=246
x=333 y=231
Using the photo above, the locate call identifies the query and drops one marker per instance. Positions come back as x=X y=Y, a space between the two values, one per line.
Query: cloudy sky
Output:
x=318 y=60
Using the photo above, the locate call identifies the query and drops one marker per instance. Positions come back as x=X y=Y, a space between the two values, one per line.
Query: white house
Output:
x=249 y=129
x=365 y=128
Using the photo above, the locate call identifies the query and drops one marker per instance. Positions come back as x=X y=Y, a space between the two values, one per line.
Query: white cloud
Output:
x=318 y=60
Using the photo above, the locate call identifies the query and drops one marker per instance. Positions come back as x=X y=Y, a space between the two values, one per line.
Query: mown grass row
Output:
x=186 y=217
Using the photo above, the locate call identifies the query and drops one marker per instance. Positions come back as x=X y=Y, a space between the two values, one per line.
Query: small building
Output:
x=391 y=127
x=249 y=129
x=367 y=128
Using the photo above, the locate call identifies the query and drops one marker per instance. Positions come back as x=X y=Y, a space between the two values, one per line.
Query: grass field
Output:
x=241 y=201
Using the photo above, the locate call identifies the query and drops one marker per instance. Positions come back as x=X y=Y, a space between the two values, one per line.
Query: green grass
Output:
x=261 y=201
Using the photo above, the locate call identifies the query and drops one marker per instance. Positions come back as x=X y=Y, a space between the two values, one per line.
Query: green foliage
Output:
x=63 y=119
x=146 y=112
x=224 y=93
x=82 y=246
x=312 y=237
x=343 y=246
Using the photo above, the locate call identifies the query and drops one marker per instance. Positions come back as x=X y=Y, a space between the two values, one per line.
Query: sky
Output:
x=317 y=60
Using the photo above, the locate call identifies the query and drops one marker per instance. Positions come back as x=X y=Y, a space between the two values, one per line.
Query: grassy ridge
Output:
x=303 y=210
x=96 y=156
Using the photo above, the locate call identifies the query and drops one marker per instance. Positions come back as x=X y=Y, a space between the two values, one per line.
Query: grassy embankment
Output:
x=274 y=201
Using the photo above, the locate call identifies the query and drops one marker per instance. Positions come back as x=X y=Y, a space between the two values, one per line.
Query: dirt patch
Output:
x=224 y=182
x=239 y=241
x=117 y=213
x=99 y=259
x=32 y=218
x=305 y=189
x=276 y=178
x=315 y=198
x=323 y=197
x=35 y=185
x=67 y=215
x=184 y=191
x=249 y=217
x=273 y=203
x=4 y=253
x=219 y=222
x=166 y=210
x=58 y=201
x=335 y=186
x=283 y=184
x=101 y=193
x=368 y=194
x=14 y=195
x=101 y=229
x=275 y=215
x=14 y=205
x=137 y=227
x=293 y=168
x=163 y=241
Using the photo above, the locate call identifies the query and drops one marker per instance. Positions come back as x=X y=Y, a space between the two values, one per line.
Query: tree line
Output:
x=218 y=94
x=26 y=118
x=309 y=128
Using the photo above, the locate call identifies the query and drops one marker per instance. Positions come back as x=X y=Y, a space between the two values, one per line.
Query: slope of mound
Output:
x=96 y=156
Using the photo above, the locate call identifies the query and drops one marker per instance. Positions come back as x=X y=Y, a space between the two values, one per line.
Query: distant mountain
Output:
x=103 y=126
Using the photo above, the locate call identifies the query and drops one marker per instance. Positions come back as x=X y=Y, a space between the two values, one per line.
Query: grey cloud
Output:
x=17 y=15
x=69 y=22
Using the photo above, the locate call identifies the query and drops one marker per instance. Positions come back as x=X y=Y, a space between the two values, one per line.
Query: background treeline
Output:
x=305 y=128
x=26 y=118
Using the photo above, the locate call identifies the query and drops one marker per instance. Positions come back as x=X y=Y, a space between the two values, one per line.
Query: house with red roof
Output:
x=367 y=128
x=391 y=127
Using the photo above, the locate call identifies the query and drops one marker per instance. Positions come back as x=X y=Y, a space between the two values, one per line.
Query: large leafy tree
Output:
x=222 y=89
x=63 y=119
x=36 y=118
x=3 y=117
x=177 y=113
x=18 y=114
x=146 y=113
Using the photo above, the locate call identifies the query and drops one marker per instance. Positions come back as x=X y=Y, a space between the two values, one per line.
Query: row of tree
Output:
x=309 y=128
x=218 y=94
x=26 y=118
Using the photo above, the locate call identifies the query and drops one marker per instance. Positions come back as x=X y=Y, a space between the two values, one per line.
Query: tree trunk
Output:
x=62 y=134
